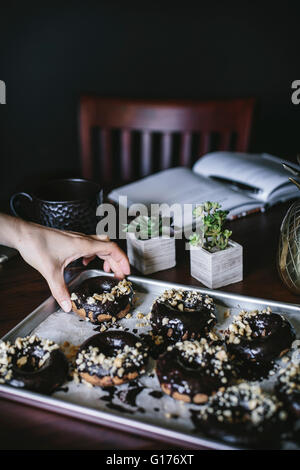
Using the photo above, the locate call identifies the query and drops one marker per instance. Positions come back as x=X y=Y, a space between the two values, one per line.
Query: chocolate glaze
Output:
x=189 y=378
x=253 y=371
x=291 y=401
x=99 y=285
x=62 y=389
x=110 y=396
x=156 y=394
x=271 y=334
x=109 y=343
x=119 y=408
x=184 y=324
x=240 y=433
x=44 y=380
x=239 y=429
x=129 y=395
x=154 y=349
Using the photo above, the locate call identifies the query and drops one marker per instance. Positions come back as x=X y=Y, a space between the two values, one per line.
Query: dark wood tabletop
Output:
x=22 y=289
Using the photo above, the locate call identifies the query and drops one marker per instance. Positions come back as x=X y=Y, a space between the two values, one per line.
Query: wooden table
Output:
x=22 y=289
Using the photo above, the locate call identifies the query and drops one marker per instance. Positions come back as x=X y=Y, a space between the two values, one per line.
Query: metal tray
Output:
x=159 y=428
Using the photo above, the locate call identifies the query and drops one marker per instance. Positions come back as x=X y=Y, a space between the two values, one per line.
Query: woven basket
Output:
x=288 y=258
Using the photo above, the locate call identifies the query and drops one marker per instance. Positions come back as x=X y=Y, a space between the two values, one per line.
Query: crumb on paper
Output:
x=70 y=350
x=285 y=359
x=227 y=313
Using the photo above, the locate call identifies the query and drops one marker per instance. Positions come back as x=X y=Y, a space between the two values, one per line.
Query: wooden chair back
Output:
x=122 y=139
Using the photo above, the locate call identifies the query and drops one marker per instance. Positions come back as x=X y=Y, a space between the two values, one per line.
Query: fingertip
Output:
x=87 y=259
x=106 y=267
x=126 y=267
x=66 y=305
x=119 y=274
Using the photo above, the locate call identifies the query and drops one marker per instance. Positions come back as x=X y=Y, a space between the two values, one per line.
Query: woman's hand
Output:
x=50 y=251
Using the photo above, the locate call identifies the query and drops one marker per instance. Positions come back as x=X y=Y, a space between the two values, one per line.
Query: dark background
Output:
x=50 y=52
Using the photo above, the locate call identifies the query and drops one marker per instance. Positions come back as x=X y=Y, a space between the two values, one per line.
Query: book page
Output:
x=262 y=174
x=181 y=185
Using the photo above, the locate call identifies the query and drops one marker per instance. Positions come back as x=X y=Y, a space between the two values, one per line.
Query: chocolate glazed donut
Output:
x=192 y=370
x=179 y=315
x=111 y=358
x=102 y=299
x=256 y=339
x=34 y=364
x=243 y=415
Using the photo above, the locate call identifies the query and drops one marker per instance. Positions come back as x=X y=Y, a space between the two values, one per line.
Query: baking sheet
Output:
x=164 y=416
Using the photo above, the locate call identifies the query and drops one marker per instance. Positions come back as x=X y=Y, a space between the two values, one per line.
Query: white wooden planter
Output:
x=152 y=255
x=217 y=269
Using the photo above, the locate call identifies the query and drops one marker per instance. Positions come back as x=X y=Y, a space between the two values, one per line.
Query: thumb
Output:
x=59 y=291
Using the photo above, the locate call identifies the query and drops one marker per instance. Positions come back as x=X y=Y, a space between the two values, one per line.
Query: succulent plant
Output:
x=215 y=236
x=145 y=227
x=195 y=239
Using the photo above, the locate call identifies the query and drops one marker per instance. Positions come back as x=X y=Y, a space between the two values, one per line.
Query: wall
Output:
x=49 y=54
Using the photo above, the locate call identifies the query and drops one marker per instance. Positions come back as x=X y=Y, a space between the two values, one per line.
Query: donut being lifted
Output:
x=179 y=315
x=111 y=358
x=102 y=299
x=32 y=363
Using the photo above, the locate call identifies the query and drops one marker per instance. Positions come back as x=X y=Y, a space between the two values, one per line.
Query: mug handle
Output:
x=12 y=202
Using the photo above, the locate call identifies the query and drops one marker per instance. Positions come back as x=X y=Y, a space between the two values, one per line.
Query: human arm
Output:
x=49 y=251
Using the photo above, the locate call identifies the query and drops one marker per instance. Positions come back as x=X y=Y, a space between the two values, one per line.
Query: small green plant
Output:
x=195 y=239
x=145 y=227
x=215 y=236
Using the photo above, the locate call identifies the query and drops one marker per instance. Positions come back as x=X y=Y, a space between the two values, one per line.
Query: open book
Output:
x=243 y=183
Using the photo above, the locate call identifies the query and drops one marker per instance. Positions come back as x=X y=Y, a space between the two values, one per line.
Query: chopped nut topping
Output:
x=212 y=357
x=289 y=378
x=227 y=313
x=186 y=300
x=22 y=361
x=29 y=347
x=227 y=404
x=124 y=287
x=240 y=327
x=122 y=360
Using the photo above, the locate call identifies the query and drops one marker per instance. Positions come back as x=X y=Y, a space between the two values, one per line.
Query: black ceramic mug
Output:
x=66 y=204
